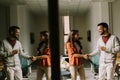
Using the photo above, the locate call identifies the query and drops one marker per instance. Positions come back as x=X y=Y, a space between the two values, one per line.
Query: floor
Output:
x=89 y=75
x=88 y=72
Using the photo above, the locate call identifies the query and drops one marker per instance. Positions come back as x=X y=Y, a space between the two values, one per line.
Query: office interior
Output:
x=32 y=16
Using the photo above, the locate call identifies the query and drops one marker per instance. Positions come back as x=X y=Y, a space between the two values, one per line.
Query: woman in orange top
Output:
x=75 y=55
x=43 y=57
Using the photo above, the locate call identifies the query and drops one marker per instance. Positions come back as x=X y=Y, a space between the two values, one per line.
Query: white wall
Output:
x=97 y=13
x=4 y=22
x=24 y=23
x=29 y=23
x=116 y=17
x=79 y=23
x=40 y=24
x=20 y=16
x=61 y=34
x=13 y=15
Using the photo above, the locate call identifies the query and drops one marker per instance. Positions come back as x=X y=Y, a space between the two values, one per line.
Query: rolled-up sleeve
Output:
x=4 y=52
x=22 y=53
x=69 y=48
x=96 y=51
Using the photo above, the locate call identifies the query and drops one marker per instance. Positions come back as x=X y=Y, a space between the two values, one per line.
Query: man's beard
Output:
x=16 y=37
x=102 y=33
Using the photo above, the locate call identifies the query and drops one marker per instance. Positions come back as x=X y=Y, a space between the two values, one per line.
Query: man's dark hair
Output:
x=103 y=24
x=13 y=28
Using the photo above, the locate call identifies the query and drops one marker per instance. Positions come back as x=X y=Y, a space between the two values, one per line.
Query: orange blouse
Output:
x=75 y=61
x=45 y=62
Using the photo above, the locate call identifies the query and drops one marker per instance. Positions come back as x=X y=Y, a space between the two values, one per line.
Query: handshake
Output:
x=33 y=58
x=86 y=56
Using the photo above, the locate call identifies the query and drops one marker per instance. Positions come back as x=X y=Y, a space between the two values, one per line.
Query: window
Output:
x=66 y=29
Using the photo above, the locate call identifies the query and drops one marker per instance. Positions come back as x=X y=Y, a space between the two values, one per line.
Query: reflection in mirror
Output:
x=72 y=15
x=32 y=16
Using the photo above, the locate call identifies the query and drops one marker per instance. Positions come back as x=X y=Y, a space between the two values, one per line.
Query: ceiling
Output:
x=66 y=7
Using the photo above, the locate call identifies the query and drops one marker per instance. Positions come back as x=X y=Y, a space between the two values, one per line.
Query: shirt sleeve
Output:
x=4 y=53
x=69 y=49
x=96 y=51
x=116 y=46
x=22 y=53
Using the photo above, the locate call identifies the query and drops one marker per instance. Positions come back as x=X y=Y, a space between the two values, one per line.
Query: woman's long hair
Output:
x=71 y=35
x=42 y=42
x=75 y=42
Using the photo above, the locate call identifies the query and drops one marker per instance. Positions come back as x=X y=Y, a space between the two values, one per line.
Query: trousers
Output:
x=77 y=69
x=43 y=70
x=14 y=73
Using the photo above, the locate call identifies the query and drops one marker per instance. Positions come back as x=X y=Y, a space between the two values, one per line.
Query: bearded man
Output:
x=107 y=45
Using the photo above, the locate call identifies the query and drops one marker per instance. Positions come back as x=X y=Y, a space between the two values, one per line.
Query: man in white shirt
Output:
x=10 y=50
x=107 y=45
